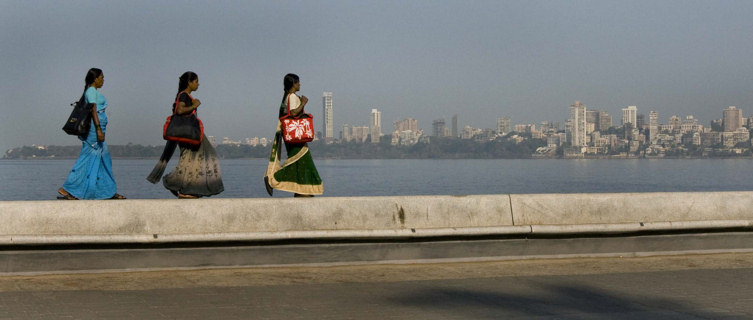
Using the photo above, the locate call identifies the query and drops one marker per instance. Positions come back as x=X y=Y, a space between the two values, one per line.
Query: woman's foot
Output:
x=186 y=196
x=298 y=195
x=266 y=185
x=118 y=197
x=64 y=195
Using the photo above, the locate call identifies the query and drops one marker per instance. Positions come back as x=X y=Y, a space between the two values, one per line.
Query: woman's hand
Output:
x=182 y=108
x=299 y=109
x=100 y=135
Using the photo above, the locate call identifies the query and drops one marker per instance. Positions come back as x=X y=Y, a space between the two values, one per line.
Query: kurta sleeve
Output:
x=295 y=103
x=91 y=95
x=185 y=99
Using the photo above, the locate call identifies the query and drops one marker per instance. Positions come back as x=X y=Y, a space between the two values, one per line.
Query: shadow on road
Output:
x=546 y=300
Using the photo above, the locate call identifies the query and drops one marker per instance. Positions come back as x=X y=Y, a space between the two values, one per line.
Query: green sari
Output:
x=297 y=173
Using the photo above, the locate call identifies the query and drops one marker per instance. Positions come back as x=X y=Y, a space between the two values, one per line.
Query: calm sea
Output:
x=39 y=179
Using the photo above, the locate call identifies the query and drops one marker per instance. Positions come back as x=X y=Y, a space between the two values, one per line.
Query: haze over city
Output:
x=526 y=60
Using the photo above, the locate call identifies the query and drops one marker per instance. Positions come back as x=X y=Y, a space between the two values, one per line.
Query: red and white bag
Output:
x=297 y=129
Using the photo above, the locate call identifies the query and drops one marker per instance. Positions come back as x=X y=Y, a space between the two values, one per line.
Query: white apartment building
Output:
x=653 y=125
x=503 y=125
x=732 y=119
x=328 y=121
x=375 y=127
x=630 y=115
x=578 y=124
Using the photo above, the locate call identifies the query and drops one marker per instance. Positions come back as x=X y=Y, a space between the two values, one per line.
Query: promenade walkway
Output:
x=621 y=256
x=678 y=287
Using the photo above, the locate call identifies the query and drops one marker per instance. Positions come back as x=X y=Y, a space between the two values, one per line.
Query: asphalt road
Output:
x=715 y=286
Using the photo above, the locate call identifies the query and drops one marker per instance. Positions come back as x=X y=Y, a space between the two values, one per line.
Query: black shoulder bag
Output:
x=79 y=122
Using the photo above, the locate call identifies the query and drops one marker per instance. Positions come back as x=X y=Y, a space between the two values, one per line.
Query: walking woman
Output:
x=198 y=171
x=298 y=173
x=91 y=176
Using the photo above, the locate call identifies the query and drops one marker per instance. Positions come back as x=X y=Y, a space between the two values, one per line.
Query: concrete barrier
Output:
x=30 y=222
x=146 y=221
x=610 y=208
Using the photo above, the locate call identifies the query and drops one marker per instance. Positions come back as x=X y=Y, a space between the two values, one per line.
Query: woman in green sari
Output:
x=298 y=173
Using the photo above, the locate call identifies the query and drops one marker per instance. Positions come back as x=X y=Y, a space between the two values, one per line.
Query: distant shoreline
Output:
x=328 y=158
x=447 y=149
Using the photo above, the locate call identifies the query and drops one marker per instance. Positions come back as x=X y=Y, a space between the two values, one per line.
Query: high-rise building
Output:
x=375 y=127
x=328 y=118
x=592 y=117
x=467 y=133
x=577 y=124
x=438 y=127
x=605 y=121
x=716 y=125
x=503 y=125
x=630 y=115
x=359 y=134
x=408 y=124
x=690 y=124
x=524 y=128
x=640 y=121
x=454 y=126
x=406 y=132
x=356 y=134
x=732 y=119
x=653 y=125
x=601 y=120
x=675 y=122
x=347 y=134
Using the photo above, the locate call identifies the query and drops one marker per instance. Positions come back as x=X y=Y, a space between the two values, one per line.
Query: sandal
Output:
x=187 y=196
x=118 y=197
x=266 y=185
x=64 y=195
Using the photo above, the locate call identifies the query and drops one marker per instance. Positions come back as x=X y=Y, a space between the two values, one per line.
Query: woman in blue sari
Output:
x=91 y=176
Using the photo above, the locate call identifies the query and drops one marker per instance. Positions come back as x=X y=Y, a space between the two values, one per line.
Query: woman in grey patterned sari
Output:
x=198 y=172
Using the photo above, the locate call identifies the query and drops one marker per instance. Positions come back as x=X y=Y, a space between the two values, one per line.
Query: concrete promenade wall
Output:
x=145 y=221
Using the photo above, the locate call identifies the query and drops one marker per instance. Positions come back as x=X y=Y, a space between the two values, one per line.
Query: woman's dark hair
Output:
x=184 y=79
x=288 y=82
x=91 y=75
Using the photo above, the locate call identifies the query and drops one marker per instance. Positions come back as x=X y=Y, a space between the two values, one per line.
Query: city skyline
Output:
x=526 y=60
x=505 y=124
x=587 y=133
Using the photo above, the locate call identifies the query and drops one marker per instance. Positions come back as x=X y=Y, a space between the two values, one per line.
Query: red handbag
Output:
x=184 y=129
x=297 y=129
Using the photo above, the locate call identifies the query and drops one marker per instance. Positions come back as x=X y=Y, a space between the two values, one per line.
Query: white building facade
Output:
x=375 y=126
x=328 y=121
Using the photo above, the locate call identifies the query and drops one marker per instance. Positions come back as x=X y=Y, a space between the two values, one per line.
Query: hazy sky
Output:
x=528 y=60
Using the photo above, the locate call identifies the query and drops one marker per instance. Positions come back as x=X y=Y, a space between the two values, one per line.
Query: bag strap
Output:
x=177 y=99
x=287 y=100
x=175 y=104
x=82 y=102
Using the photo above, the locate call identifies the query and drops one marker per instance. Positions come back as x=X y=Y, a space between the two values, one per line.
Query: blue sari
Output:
x=91 y=176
